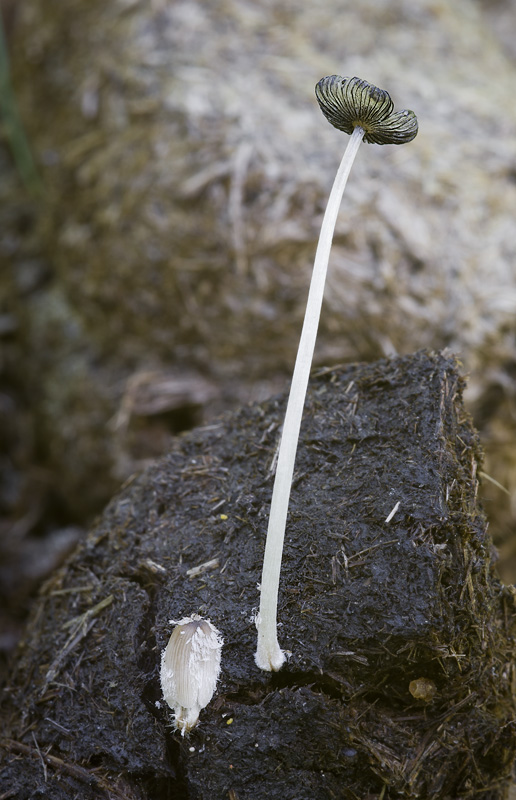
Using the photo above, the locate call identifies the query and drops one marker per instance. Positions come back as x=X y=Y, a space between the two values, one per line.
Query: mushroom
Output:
x=190 y=667
x=367 y=113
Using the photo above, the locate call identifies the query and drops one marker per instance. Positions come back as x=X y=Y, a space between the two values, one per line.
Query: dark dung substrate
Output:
x=398 y=683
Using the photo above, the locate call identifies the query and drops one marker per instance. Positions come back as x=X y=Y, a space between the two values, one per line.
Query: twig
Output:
x=80 y=773
x=81 y=626
x=40 y=754
x=373 y=547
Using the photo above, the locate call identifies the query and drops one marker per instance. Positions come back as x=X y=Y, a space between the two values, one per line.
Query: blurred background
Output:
x=164 y=169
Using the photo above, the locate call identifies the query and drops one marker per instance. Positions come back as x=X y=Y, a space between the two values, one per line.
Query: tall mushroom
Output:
x=367 y=113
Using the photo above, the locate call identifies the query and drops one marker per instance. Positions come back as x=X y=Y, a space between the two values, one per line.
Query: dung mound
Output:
x=399 y=680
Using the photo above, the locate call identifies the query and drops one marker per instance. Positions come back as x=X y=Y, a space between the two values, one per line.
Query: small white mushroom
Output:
x=190 y=667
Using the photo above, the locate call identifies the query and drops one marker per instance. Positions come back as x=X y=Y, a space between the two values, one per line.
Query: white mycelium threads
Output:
x=190 y=667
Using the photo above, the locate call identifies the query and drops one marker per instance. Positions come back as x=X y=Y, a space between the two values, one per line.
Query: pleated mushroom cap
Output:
x=350 y=103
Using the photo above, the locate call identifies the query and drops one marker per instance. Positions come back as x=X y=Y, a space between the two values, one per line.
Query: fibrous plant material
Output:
x=399 y=686
x=366 y=112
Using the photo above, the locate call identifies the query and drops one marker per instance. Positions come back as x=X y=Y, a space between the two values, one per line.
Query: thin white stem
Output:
x=269 y=655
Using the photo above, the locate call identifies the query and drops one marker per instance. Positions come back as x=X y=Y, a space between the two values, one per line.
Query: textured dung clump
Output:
x=399 y=679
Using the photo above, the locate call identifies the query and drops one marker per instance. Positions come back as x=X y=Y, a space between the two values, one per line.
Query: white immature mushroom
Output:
x=367 y=113
x=190 y=667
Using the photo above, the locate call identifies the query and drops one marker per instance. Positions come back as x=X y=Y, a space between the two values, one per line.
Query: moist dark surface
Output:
x=366 y=607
